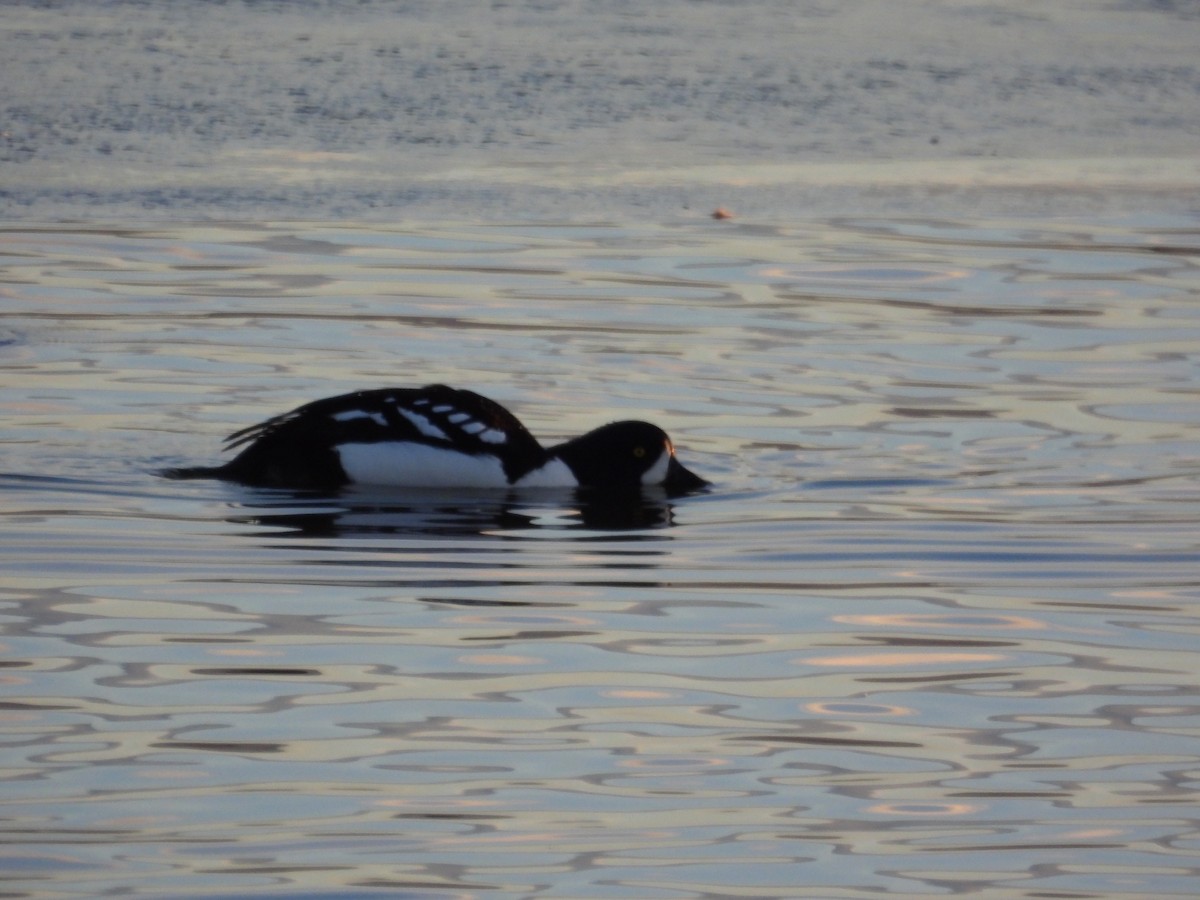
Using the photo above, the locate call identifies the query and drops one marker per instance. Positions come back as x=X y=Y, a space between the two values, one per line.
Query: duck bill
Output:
x=680 y=479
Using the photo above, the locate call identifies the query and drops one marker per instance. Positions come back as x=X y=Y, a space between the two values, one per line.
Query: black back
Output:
x=297 y=448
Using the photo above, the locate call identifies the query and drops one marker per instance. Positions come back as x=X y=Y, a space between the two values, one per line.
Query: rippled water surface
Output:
x=934 y=630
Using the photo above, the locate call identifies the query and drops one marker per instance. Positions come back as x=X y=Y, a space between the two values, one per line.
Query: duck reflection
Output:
x=361 y=513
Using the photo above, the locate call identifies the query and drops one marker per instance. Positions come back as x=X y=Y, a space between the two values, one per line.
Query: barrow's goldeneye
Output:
x=439 y=437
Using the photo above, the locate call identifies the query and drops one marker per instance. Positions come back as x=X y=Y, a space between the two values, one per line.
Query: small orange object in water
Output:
x=722 y=213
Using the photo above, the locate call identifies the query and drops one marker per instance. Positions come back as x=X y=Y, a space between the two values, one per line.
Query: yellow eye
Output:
x=639 y=452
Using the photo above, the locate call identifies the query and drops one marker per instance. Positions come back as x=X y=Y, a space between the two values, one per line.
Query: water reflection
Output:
x=434 y=514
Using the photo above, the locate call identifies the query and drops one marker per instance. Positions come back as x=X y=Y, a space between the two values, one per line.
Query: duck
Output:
x=439 y=437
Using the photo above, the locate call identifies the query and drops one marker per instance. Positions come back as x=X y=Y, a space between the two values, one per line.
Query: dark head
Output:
x=627 y=455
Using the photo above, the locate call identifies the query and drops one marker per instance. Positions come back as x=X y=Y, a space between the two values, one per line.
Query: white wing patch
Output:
x=423 y=425
x=462 y=421
x=419 y=465
x=492 y=436
x=351 y=415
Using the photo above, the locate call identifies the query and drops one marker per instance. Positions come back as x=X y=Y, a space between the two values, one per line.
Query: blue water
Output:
x=932 y=632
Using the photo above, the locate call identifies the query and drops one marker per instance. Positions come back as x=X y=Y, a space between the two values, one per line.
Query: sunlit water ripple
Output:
x=933 y=631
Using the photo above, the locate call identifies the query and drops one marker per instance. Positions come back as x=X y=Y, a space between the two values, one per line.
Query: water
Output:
x=933 y=631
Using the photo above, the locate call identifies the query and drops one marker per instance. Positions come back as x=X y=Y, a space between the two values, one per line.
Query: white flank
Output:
x=419 y=465
x=351 y=414
x=424 y=426
x=555 y=473
x=657 y=472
